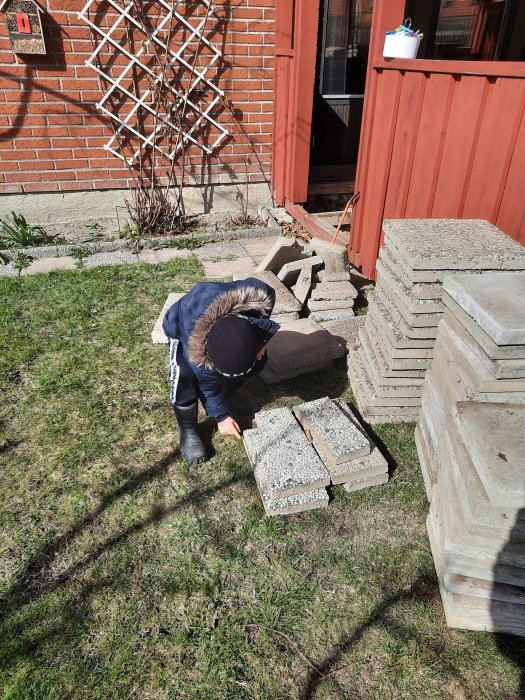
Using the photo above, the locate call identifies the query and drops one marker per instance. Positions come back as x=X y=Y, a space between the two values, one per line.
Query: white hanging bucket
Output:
x=401 y=46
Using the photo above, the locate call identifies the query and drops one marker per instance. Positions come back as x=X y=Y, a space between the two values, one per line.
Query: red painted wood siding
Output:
x=438 y=142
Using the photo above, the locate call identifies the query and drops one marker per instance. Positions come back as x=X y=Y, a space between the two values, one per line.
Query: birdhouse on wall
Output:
x=24 y=24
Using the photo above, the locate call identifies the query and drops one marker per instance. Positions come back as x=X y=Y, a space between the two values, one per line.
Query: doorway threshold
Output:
x=321 y=225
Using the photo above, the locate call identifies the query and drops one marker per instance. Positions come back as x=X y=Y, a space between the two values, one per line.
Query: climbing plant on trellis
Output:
x=157 y=68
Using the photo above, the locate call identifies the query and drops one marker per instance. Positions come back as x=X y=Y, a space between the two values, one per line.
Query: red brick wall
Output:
x=52 y=135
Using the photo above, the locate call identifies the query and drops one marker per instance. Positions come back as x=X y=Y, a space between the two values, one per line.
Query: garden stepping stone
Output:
x=283 y=251
x=157 y=334
x=289 y=273
x=302 y=287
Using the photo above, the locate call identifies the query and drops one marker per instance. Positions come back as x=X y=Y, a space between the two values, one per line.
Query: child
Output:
x=217 y=331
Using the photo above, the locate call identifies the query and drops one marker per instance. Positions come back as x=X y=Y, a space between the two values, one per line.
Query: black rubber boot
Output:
x=191 y=446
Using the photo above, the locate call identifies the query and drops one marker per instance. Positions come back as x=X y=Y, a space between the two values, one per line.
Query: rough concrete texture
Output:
x=299 y=343
x=334 y=256
x=421 y=290
x=285 y=318
x=256 y=247
x=155 y=257
x=289 y=273
x=324 y=276
x=501 y=369
x=302 y=287
x=405 y=294
x=426 y=462
x=494 y=351
x=358 y=484
x=415 y=320
x=285 y=302
x=494 y=434
x=334 y=291
x=50 y=264
x=389 y=388
x=385 y=322
x=223 y=269
x=346 y=330
x=285 y=462
x=225 y=250
x=298 y=503
x=330 y=305
x=331 y=315
x=157 y=334
x=494 y=301
x=453 y=244
x=283 y=251
x=412 y=369
x=427 y=323
x=335 y=437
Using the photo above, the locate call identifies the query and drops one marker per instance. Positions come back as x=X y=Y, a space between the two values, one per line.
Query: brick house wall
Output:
x=52 y=135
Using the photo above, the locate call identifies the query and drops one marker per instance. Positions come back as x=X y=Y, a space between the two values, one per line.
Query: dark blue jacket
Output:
x=190 y=319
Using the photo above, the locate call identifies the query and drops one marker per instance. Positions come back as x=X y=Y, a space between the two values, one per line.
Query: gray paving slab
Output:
x=302 y=287
x=495 y=352
x=421 y=290
x=283 y=251
x=285 y=318
x=334 y=291
x=397 y=339
x=117 y=257
x=65 y=262
x=288 y=505
x=154 y=257
x=258 y=247
x=412 y=370
x=220 y=251
x=157 y=334
x=335 y=437
x=426 y=463
x=334 y=256
x=331 y=315
x=325 y=276
x=285 y=302
x=302 y=342
x=408 y=299
x=413 y=320
x=495 y=436
x=494 y=301
x=501 y=369
x=345 y=330
x=330 y=305
x=285 y=461
x=270 y=376
x=410 y=331
x=384 y=390
x=289 y=273
x=454 y=244
x=224 y=268
x=358 y=484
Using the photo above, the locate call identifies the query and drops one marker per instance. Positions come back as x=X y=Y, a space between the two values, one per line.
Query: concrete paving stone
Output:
x=494 y=435
x=385 y=369
x=325 y=276
x=288 y=505
x=258 y=247
x=501 y=369
x=66 y=262
x=454 y=244
x=345 y=330
x=302 y=342
x=157 y=334
x=470 y=612
x=331 y=315
x=494 y=301
x=388 y=391
x=335 y=437
x=380 y=329
x=334 y=291
x=421 y=290
x=223 y=250
x=285 y=461
x=396 y=338
x=283 y=251
x=408 y=299
x=222 y=269
x=285 y=302
x=285 y=318
x=358 y=484
x=116 y=257
x=408 y=330
x=495 y=352
x=426 y=463
x=155 y=257
x=415 y=320
x=479 y=376
x=330 y=305
x=270 y=376
x=289 y=273
x=302 y=287
x=334 y=256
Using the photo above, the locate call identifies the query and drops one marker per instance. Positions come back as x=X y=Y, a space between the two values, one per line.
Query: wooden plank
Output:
x=462 y=130
x=429 y=145
x=511 y=214
x=280 y=129
x=497 y=137
x=405 y=139
x=497 y=69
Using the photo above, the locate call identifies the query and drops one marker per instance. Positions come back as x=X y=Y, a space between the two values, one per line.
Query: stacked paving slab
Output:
x=470 y=440
x=295 y=456
x=397 y=341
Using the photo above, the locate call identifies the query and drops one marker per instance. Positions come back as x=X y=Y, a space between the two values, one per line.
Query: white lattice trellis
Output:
x=116 y=61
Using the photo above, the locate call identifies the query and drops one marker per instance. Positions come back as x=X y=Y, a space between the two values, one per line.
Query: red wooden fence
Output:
x=440 y=139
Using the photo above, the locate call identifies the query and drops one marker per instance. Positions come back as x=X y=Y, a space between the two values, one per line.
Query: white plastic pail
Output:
x=401 y=46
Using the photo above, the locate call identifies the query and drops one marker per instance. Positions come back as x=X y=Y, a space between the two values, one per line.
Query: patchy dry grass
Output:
x=126 y=574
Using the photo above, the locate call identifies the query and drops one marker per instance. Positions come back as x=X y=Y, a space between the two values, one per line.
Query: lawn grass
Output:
x=125 y=573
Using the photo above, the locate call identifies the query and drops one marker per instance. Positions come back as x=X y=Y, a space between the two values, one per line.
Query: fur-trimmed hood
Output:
x=254 y=302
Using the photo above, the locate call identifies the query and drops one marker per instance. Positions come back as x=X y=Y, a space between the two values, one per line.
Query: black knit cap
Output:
x=232 y=345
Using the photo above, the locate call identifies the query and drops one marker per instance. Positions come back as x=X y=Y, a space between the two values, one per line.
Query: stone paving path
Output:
x=219 y=260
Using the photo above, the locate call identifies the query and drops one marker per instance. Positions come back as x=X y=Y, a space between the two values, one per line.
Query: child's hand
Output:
x=261 y=353
x=228 y=426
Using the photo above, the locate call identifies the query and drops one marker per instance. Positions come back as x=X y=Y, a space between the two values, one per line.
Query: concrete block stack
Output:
x=470 y=445
x=397 y=341
x=295 y=457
